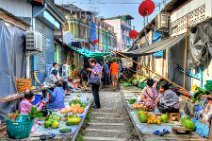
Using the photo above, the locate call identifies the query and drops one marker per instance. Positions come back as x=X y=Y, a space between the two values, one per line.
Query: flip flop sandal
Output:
x=46 y=137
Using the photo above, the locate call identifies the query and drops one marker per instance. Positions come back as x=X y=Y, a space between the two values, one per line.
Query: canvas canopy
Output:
x=90 y=54
x=153 y=48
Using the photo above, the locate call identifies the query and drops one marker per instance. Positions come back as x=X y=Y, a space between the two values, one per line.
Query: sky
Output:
x=112 y=8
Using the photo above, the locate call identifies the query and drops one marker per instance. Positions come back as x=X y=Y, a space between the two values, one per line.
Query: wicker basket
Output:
x=23 y=84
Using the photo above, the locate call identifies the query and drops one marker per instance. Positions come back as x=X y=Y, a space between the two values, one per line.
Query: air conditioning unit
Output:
x=34 y=41
x=161 y=21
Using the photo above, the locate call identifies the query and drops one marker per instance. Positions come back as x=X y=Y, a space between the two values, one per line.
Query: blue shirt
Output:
x=106 y=68
x=57 y=99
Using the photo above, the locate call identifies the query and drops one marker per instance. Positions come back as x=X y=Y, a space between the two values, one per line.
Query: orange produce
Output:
x=135 y=106
x=69 y=109
x=77 y=105
x=74 y=111
x=80 y=110
x=141 y=106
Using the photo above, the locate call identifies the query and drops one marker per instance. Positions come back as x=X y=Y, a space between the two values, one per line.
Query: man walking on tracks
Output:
x=114 y=72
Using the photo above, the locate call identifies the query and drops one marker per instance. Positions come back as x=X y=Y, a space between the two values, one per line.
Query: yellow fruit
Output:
x=63 y=111
x=72 y=105
x=55 y=124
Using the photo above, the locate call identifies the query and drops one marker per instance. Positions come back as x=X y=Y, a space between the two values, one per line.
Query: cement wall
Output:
x=193 y=5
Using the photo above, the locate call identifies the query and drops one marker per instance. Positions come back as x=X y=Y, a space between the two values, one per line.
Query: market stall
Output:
x=54 y=124
x=71 y=118
x=152 y=125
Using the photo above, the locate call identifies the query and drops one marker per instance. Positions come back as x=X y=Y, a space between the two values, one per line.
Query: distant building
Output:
x=80 y=24
x=105 y=35
x=122 y=27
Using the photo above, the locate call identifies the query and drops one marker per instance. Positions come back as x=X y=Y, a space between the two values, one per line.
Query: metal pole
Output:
x=146 y=68
x=185 y=54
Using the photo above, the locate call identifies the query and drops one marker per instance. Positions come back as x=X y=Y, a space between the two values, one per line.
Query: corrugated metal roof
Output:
x=14 y=17
x=72 y=8
x=55 y=11
x=127 y=17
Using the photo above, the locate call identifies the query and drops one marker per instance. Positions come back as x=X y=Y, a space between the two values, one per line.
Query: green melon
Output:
x=164 y=118
x=143 y=118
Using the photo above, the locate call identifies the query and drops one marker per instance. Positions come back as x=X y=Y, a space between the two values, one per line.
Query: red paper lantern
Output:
x=146 y=8
x=95 y=41
x=133 y=34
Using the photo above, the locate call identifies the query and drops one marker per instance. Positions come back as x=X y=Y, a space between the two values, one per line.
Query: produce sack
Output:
x=201 y=128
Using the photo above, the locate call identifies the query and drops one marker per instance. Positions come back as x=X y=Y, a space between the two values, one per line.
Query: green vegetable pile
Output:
x=65 y=130
x=198 y=93
x=132 y=100
x=34 y=113
x=126 y=84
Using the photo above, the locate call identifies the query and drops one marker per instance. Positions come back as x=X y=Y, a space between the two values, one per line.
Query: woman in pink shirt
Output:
x=26 y=105
x=150 y=95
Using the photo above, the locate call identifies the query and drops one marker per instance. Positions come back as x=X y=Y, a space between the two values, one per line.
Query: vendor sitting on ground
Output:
x=26 y=104
x=56 y=98
x=149 y=95
x=71 y=86
x=54 y=77
x=168 y=100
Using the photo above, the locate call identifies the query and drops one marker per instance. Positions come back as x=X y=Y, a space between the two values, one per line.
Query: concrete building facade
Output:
x=122 y=27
